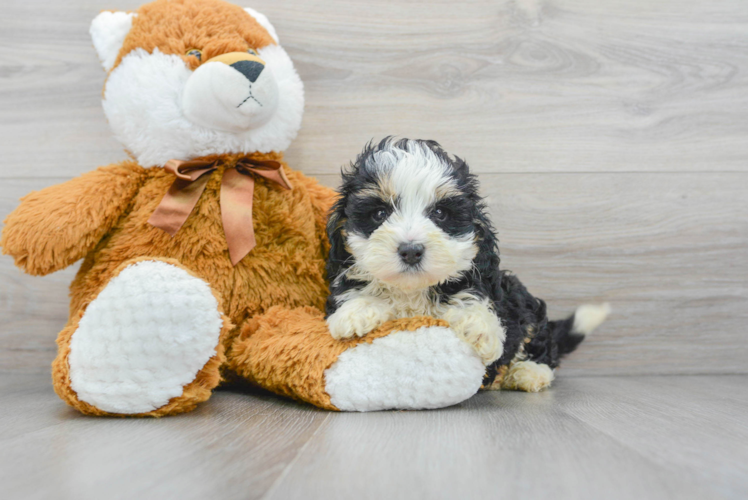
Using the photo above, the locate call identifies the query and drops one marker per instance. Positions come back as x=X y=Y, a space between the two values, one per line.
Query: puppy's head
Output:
x=409 y=216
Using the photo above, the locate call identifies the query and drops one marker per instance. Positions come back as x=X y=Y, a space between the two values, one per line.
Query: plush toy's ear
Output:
x=264 y=22
x=108 y=32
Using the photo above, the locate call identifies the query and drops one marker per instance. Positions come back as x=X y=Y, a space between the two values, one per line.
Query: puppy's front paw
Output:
x=478 y=325
x=357 y=317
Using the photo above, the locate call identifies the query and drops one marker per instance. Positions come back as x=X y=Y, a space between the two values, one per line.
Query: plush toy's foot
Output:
x=147 y=345
x=410 y=364
x=429 y=367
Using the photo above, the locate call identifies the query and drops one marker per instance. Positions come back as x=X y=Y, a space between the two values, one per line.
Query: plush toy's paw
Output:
x=143 y=343
x=426 y=368
x=527 y=376
x=357 y=317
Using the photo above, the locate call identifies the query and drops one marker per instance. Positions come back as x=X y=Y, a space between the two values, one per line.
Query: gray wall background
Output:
x=611 y=139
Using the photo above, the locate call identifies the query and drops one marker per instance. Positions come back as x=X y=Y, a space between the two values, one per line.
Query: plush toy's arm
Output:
x=57 y=226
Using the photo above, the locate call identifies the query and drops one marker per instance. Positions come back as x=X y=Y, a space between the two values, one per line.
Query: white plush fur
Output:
x=264 y=22
x=143 y=103
x=589 y=316
x=143 y=338
x=108 y=31
x=417 y=178
x=427 y=368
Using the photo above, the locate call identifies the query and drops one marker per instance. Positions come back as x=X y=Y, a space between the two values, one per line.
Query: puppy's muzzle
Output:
x=411 y=253
x=233 y=92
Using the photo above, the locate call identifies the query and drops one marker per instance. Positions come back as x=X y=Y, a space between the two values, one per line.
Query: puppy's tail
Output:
x=568 y=334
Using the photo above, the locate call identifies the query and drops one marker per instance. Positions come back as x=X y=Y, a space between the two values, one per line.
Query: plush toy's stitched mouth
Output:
x=250 y=96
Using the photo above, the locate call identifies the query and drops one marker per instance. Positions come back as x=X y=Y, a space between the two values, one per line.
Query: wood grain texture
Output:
x=514 y=445
x=587 y=438
x=235 y=448
x=513 y=85
x=609 y=137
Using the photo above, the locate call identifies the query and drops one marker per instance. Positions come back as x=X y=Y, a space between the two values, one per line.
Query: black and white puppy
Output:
x=410 y=236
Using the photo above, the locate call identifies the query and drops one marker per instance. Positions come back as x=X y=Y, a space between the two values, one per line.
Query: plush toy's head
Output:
x=190 y=78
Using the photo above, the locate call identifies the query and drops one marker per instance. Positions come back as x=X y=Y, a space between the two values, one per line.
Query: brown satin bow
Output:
x=237 y=192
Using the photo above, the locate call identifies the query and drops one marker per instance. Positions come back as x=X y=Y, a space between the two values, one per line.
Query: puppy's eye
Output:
x=252 y=51
x=440 y=214
x=195 y=52
x=379 y=215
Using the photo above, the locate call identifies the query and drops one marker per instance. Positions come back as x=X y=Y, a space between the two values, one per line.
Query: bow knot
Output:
x=237 y=192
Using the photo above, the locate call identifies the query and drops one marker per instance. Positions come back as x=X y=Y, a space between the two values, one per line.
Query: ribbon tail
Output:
x=237 y=193
x=276 y=175
x=177 y=204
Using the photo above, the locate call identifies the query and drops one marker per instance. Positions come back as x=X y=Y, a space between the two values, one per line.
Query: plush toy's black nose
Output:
x=411 y=253
x=250 y=69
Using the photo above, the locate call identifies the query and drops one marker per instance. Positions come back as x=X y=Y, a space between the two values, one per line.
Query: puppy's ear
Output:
x=487 y=260
x=338 y=259
x=462 y=172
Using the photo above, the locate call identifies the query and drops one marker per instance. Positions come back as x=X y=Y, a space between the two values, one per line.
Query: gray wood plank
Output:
x=502 y=445
x=587 y=438
x=669 y=251
x=698 y=433
x=528 y=86
x=234 y=447
x=726 y=388
x=32 y=309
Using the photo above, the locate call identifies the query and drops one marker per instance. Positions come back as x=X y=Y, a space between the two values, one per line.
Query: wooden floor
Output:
x=643 y=437
x=611 y=140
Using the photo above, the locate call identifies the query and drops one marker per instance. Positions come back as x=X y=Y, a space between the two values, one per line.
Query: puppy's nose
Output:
x=250 y=69
x=411 y=253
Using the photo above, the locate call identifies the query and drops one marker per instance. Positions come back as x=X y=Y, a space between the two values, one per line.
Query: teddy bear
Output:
x=204 y=254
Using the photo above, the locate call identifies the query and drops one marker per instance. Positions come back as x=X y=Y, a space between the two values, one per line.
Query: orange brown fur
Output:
x=289 y=350
x=286 y=267
x=176 y=26
x=59 y=225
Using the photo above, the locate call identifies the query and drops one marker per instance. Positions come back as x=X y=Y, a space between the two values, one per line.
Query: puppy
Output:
x=410 y=236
